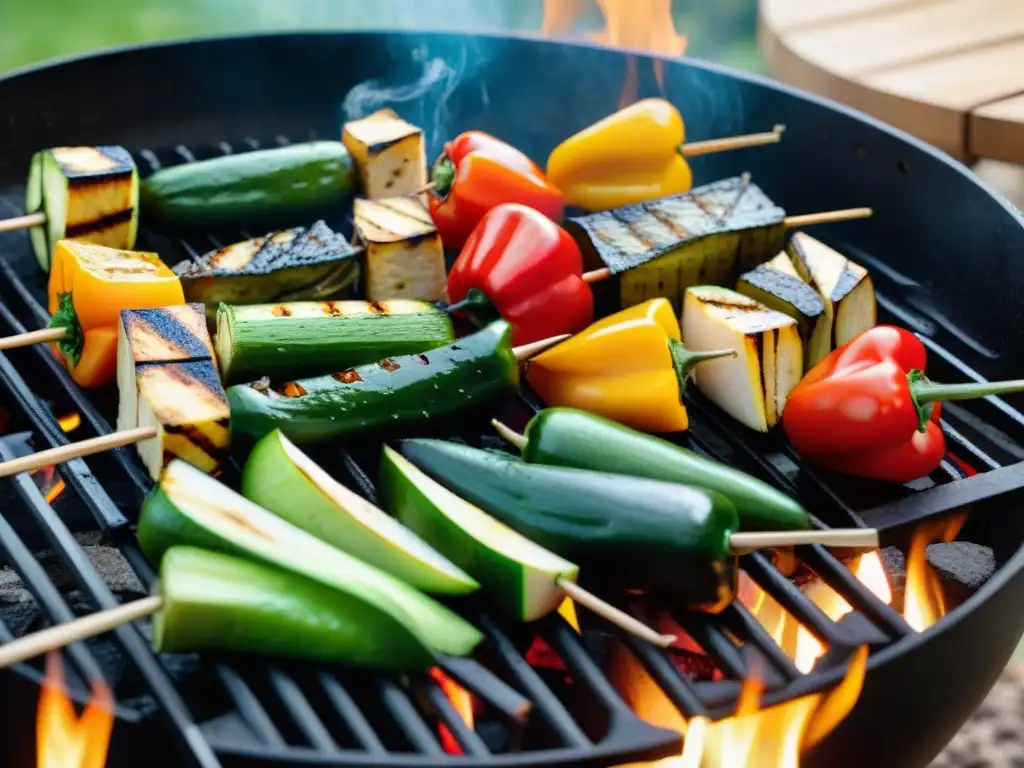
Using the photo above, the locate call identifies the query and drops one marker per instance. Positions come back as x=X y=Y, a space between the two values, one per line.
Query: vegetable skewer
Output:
x=119 y=439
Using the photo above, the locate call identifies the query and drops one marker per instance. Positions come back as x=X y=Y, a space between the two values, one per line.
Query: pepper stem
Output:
x=65 y=317
x=476 y=307
x=926 y=392
x=510 y=436
x=684 y=359
x=442 y=176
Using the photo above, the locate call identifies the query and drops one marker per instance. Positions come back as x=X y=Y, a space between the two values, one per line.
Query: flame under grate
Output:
x=296 y=713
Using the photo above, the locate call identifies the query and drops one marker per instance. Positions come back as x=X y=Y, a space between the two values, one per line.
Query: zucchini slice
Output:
x=518 y=575
x=310 y=338
x=844 y=286
x=281 y=478
x=217 y=602
x=752 y=387
x=87 y=193
x=778 y=286
x=191 y=508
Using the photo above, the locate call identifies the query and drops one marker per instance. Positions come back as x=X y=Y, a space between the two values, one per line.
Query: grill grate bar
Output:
x=679 y=689
x=714 y=642
x=249 y=707
x=742 y=623
x=466 y=738
x=402 y=710
x=957 y=437
x=303 y=715
x=356 y=721
x=513 y=706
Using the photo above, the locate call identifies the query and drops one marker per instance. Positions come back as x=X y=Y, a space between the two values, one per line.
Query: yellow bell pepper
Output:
x=630 y=156
x=630 y=367
x=89 y=286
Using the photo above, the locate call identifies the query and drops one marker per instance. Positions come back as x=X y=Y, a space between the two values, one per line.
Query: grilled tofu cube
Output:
x=778 y=286
x=404 y=258
x=753 y=386
x=844 y=286
x=293 y=264
x=187 y=406
x=87 y=193
x=390 y=153
x=661 y=247
x=164 y=335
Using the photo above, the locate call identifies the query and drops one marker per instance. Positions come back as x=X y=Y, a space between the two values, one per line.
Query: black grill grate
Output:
x=246 y=712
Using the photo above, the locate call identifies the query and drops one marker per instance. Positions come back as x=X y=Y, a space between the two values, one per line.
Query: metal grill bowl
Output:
x=943 y=249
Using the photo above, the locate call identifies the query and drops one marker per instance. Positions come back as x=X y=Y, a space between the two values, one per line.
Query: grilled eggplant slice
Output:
x=844 y=286
x=390 y=153
x=164 y=335
x=404 y=256
x=297 y=263
x=752 y=387
x=87 y=193
x=662 y=247
x=778 y=286
x=186 y=404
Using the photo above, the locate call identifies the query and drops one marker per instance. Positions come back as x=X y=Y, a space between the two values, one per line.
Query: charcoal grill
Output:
x=944 y=252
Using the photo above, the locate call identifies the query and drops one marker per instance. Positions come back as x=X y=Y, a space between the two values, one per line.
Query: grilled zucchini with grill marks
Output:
x=87 y=193
x=390 y=153
x=661 y=247
x=778 y=286
x=187 y=406
x=844 y=286
x=404 y=256
x=165 y=335
x=297 y=263
x=752 y=387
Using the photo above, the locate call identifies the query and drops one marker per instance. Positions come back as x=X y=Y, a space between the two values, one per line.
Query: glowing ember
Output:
x=47 y=479
x=462 y=700
x=70 y=422
x=63 y=740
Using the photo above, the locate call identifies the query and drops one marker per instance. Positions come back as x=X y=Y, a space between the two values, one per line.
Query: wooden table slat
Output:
x=784 y=15
x=997 y=129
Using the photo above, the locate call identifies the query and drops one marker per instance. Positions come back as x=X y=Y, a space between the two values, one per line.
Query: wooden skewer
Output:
x=526 y=351
x=613 y=615
x=53 y=638
x=732 y=142
x=23 y=222
x=32 y=337
x=64 y=453
x=827 y=217
x=855 y=538
x=595 y=275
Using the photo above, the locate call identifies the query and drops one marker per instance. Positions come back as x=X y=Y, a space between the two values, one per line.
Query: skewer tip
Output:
x=596 y=275
x=525 y=351
x=509 y=435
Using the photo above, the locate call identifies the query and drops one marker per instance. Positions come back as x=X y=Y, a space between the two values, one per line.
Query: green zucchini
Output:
x=216 y=602
x=624 y=532
x=392 y=394
x=567 y=437
x=310 y=338
x=281 y=478
x=520 y=577
x=283 y=187
x=190 y=508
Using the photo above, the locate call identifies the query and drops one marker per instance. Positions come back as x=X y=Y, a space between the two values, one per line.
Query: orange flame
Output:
x=923 y=602
x=63 y=740
x=70 y=422
x=49 y=482
x=462 y=700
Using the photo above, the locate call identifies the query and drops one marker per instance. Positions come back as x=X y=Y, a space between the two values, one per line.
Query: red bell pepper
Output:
x=475 y=173
x=526 y=268
x=868 y=409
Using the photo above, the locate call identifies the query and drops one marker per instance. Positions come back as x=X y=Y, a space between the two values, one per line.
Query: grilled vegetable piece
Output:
x=844 y=286
x=519 y=576
x=623 y=532
x=281 y=478
x=278 y=187
x=661 y=247
x=392 y=394
x=87 y=193
x=187 y=406
x=297 y=263
x=566 y=437
x=217 y=602
x=390 y=153
x=192 y=509
x=778 y=286
x=752 y=386
x=404 y=258
x=164 y=335
x=309 y=338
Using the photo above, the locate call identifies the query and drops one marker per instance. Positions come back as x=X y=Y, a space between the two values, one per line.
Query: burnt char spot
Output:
x=729 y=306
x=243 y=522
x=422 y=360
x=759 y=351
x=164 y=325
x=281 y=311
x=331 y=308
x=396 y=172
x=389 y=184
x=376 y=308
x=292 y=389
x=456 y=348
x=389 y=365
x=351 y=376
x=80 y=230
x=198 y=437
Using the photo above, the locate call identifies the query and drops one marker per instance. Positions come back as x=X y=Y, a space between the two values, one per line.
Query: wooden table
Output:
x=948 y=71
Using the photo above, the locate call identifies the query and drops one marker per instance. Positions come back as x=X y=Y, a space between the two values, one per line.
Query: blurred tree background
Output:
x=34 y=30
